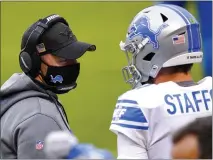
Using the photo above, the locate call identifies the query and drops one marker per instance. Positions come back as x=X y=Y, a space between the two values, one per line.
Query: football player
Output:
x=162 y=44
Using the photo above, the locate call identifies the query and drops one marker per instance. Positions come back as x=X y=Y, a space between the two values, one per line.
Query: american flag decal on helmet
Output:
x=39 y=145
x=178 y=39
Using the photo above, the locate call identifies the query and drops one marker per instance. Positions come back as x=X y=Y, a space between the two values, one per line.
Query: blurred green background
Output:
x=91 y=104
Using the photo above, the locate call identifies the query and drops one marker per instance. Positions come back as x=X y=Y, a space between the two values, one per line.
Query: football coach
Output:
x=30 y=109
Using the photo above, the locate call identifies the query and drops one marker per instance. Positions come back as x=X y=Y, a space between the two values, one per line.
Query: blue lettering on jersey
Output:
x=179 y=102
x=204 y=95
x=188 y=102
x=196 y=100
x=129 y=117
x=173 y=109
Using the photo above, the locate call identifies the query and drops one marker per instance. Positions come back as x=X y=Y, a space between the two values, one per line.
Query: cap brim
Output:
x=74 y=50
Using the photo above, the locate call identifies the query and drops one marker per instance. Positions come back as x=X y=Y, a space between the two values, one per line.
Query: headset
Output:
x=29 y=59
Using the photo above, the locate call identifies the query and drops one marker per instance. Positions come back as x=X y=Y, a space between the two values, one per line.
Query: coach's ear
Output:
x=31 y=135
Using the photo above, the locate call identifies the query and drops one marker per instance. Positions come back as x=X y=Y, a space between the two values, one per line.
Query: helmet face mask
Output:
x=130 y=72
x=159 y=37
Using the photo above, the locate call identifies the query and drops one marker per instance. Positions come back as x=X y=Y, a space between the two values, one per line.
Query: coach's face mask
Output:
x=62 y=79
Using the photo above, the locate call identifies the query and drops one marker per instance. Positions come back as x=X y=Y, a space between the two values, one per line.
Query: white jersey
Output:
x=149 y=115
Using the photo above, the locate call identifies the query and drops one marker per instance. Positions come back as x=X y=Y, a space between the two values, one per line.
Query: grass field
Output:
x=90 y=105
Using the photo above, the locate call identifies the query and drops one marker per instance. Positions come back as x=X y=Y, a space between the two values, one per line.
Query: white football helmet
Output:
x=160 y=36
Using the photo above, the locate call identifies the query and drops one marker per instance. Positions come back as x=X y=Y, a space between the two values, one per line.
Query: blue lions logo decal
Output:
x=57 y=78
x=142 y=27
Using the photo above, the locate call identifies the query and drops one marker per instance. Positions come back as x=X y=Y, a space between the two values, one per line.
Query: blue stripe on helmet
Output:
x=196 y=37
x=194 y=28
x=188 y=27
x=187 y=14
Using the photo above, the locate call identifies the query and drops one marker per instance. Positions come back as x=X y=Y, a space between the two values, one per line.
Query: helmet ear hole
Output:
x=149 y=56
x=164 y=17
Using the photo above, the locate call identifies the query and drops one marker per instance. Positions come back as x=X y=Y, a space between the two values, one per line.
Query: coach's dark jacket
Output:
x=28 y=114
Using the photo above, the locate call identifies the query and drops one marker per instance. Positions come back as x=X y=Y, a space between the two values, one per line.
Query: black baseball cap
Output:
x=60 y=41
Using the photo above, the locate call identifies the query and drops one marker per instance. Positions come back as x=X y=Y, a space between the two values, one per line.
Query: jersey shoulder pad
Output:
x=206 y=81
x=134 y=106
x=128 y=114
x=148 y=96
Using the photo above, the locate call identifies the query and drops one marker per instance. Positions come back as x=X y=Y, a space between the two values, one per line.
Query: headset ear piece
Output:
x=25 y=62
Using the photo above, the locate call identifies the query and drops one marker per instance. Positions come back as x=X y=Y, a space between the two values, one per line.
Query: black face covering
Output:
x=62 y=79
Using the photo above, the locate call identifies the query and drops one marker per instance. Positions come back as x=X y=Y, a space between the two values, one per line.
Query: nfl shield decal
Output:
x=39 y=145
